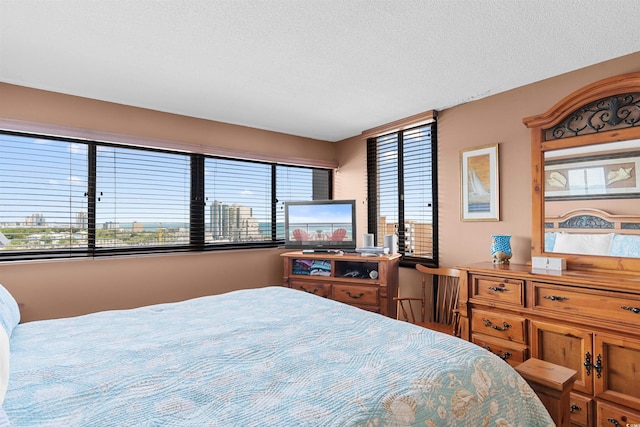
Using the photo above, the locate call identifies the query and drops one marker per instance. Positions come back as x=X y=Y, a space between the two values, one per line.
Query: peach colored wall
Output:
x=495 y=119
x=60 y=288
x=70 y=287
x=33 y=105
x=350 y=179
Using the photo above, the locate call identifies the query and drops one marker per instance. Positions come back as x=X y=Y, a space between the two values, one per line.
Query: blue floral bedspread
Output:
x=264 y=357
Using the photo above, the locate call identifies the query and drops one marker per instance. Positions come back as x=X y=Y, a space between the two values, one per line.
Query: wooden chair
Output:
x=300 y=235
x=338 y=235
x=445 y=316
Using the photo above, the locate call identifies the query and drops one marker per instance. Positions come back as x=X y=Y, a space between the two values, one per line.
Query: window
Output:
x=238 y=201
x=403 y=192
x=62 y=198
x=585 y=180
x=142 y=198
x=298 y=183
x=43 y=195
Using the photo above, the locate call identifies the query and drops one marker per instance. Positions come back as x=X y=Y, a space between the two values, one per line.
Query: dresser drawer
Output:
x=356 y=295
x=612 y=415
x=512 y=353
x=320 y=289
x=580 y=410
x=586 y=302
x=498 y=289
x=505 y=326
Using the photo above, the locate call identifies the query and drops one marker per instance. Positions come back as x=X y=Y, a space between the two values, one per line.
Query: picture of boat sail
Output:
x=479 y=170
x=479 y=193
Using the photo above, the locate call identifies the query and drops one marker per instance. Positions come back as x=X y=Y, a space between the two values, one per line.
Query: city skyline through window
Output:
x=142 y=197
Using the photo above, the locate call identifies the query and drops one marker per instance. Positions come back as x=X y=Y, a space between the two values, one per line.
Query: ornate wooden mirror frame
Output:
x=603 y=112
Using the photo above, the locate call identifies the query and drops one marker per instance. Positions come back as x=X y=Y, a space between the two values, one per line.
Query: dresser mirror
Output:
x=585 y=178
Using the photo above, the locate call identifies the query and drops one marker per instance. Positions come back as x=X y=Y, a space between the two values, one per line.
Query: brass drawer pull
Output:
x=635 y=310
x=488 y=324
x=555 y=298
x=360 y=295
x=575 y=408
x=497 y=289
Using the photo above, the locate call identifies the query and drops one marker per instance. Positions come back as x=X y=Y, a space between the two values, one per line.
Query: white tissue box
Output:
x=548 y=263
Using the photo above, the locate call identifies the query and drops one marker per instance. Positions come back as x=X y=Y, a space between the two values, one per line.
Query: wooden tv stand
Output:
x=367 y=282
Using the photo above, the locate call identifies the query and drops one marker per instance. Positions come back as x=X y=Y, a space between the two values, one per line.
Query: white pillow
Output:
x=583 y=244
x=4 y=364
x=9 y=319
x=9 y=311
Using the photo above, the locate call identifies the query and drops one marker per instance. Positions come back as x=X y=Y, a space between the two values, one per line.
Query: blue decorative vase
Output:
x=501 y=248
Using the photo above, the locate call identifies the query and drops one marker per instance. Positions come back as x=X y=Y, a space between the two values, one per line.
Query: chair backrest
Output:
x=338 y=235
x=300 y=235
x=446 y=294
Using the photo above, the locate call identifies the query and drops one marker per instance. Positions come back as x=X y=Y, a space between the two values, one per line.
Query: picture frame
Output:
x=480 y=186
x=609 y=176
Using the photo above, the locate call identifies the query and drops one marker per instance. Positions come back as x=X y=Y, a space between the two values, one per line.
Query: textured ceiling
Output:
x=324 y=69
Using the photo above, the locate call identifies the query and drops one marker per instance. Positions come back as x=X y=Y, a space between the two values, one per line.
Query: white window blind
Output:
x=238 y=201
x=142 y=198
x=299 y=184
x=418 y=193
x=43 y=195
x=61 y=197
x=402 y=191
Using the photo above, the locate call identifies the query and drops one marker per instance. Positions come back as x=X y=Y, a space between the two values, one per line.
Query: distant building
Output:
x=234 y=223
x=110 y=225
x=417 y=238
x=137 y=227
x=82 y=220
x=242 y=224
x=219 y=220
x=35 y=220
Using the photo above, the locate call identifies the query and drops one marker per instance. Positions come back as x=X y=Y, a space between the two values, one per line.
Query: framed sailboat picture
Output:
x=480 y=192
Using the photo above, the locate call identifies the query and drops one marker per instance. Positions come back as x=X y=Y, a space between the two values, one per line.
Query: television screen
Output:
x=320 y=224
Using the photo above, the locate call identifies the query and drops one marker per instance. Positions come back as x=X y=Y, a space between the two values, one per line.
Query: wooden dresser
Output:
x=369 y=283
x=585 y=321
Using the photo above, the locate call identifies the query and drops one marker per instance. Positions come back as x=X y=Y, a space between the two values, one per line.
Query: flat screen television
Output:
x=320 y=225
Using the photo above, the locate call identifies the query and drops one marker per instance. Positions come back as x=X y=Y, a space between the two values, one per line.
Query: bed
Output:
x=268 y=356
